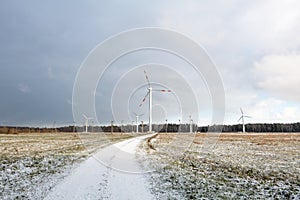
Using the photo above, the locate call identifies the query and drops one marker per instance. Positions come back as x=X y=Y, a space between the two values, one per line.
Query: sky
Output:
x=255 y=46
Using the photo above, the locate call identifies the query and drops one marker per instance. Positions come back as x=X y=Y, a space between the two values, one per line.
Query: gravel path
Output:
x=111 y=173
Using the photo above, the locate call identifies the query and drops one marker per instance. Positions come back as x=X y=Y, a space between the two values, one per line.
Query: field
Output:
x=32 y=163
x=240 y=166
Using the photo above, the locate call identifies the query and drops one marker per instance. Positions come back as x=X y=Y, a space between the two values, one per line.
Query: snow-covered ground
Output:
x=240 y=166
x=111 y=173
x=33 y=163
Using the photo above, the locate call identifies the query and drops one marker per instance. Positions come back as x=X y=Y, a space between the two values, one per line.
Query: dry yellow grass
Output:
x=27 y=144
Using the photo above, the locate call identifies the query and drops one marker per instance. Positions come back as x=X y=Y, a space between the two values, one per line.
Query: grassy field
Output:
x=32 y=163
x=240 y=166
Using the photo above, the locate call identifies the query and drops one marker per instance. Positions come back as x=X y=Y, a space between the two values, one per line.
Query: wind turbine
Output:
x=150 y=90
x=74 y=126
x=132 y=126
x=191 y=124
x=243 y=119
x=166 y=126
x=86 y=121
x=137 y=121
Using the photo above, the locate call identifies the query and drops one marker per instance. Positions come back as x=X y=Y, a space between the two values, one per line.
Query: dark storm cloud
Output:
x=42 y=46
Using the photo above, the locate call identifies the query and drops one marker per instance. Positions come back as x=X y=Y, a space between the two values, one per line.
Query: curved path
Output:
x=111 y=173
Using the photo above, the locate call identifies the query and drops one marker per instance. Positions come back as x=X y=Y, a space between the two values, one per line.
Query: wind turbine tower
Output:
x=137 y=121
x=142 y=126
x=243 y=119
x=191 y=124
x=150 y=90
x=86 y=122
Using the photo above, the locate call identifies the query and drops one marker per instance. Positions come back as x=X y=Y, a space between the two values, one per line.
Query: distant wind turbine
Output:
x=132 y=126
x=243 y=119
x=150 y=89
x=191 y=124
x=137 y=121
x=86 y=122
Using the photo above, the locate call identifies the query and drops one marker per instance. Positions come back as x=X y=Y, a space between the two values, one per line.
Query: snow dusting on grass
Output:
x=32 y=164
x=241 y=166
x=251 y=166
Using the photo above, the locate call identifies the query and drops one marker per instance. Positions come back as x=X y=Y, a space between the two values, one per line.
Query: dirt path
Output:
x=111 y=173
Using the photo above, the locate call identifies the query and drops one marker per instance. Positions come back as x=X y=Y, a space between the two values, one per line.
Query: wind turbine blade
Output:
x=84 y=116
x=241 y=111
x=147 y=78
x=247 y=116
x=144 y=99
x=162 y=90
x=240 y=118
x=141 y=115
x=135 y=114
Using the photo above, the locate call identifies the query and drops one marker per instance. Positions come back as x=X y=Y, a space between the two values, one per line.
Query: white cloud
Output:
x=231 y=26
x=273 y=110
x=23 y=88
x=271 y=25
x=202 y=21
x=235 y=35
x=279 y=75
x=264 y=110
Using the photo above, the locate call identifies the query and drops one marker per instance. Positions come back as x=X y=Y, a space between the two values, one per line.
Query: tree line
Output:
x=256 y=127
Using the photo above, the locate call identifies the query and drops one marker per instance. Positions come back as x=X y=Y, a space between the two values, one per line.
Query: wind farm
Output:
x=130 y=145
x=150 y=142
x=145 y=100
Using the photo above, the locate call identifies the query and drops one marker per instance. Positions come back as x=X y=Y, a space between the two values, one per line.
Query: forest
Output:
x=257 y=127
